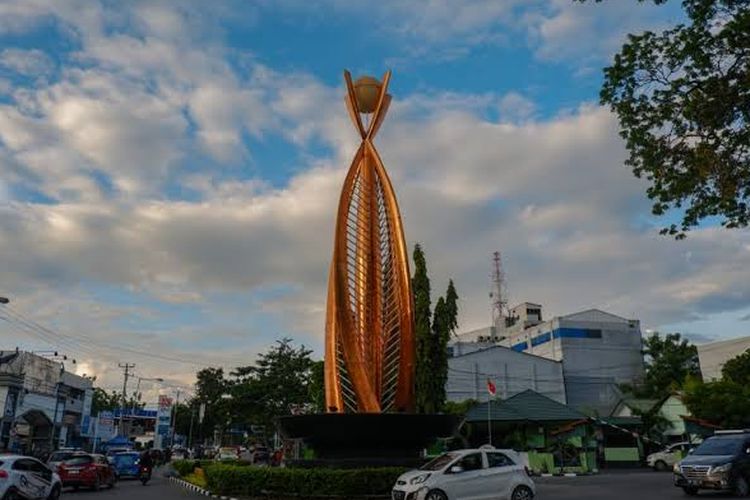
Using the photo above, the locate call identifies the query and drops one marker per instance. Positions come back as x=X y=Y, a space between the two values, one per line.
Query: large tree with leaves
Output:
x=737 y=369
x=670 y=360
x=425 y=367
x=682 y=97
x=278 y=382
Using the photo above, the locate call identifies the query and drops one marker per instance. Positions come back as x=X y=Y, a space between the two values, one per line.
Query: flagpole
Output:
x=489 y=417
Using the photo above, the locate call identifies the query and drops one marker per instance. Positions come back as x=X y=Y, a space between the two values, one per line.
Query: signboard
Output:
x=106 y=425
x=163 y=420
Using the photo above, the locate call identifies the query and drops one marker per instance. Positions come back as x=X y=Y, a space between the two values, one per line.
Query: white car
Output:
x=665 y=459
x=26 y=477
x=468 y=475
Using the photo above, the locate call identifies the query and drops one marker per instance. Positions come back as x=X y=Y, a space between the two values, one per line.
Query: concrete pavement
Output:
x=159 y=488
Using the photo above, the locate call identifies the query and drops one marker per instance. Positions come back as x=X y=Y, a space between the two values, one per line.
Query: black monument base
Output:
x=366 y=439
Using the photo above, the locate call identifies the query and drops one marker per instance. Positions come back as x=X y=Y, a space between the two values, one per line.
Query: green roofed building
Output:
x=555 y=436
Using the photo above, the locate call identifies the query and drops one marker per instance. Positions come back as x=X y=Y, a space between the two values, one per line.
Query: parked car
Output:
x=179 y=454
x=88 y=470
x=468 y=474
x=721 y=462
x=227 y=453
x=126 y=464
x=26 y=477
x=666 y=458
x=59 y=456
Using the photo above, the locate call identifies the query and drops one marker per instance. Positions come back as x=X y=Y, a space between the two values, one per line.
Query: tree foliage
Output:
x=103 y=400
x=670 y=359
x=723 y=402
x=682 y=97
x=425 y=369
x=737 y=369
x=433 y=331
x=275 y=385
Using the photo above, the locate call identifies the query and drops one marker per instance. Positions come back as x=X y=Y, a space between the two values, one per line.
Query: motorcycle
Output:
x=144 y=475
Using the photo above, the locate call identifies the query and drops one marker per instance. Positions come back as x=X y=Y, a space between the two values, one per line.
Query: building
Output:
x=44 y=405
x=513 y=372
x=597 y=350
x=553 y=436
x=712 y=356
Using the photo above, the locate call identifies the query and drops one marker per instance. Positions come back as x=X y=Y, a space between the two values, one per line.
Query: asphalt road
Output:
x=624 y=485
x=159 y=488
x=617 y=485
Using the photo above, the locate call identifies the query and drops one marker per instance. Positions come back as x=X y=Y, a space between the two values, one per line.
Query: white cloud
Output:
x=135 y=108
x=31 y=62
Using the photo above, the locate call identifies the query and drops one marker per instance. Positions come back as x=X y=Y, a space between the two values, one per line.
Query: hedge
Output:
x=224 y=479
x=185 y=467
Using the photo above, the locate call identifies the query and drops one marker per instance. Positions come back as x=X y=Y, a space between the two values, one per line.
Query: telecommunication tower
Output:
x=498 y=295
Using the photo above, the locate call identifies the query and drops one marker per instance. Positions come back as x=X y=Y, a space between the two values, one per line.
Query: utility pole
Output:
x=126 y=374
x=174 y=418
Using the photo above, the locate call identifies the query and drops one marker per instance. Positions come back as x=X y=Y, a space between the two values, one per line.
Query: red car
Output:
x=88 y=470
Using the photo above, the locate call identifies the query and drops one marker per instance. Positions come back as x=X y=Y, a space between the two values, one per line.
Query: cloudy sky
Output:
x=169 y=172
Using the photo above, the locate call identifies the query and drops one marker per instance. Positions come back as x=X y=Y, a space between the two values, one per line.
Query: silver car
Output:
x=468 y=475
x=27 y=477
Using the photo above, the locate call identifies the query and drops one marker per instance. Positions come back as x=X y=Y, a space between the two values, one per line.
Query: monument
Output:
x=369 y=357
x=370 y=344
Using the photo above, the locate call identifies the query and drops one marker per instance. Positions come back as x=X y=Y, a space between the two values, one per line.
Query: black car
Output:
x=721 y=462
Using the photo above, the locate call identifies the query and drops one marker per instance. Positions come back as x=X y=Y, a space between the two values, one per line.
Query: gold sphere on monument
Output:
x=367 y=91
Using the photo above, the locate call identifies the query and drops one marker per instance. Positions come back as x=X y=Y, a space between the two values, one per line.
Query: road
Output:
x=617 y=485
x=625 y=485
x=159 y=488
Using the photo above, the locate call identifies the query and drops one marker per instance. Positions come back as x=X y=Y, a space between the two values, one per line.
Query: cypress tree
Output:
x=420 y=284
x=440 y=337
x=451 y=304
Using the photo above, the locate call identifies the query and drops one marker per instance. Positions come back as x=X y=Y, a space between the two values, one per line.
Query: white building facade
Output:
x=596 y=351
x=44 y=405
x=712 y=356
x=512 y=372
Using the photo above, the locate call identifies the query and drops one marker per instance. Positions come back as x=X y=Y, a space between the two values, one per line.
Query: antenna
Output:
x=499 y=301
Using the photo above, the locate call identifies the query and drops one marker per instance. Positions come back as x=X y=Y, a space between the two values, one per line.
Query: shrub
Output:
x=184 y=467
x=223 y=479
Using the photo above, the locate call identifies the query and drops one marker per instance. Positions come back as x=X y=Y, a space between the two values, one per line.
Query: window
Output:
x=471 y=462
x=22 y=465
x=541 y=339
x=577 y=333
x=439 y=462
x=79 y=460
x=521 y=346
x=495 y=459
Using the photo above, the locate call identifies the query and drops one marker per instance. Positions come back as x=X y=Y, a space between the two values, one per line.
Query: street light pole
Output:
x=174 y=418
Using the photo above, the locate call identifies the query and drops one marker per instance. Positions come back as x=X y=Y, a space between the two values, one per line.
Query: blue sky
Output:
x=169 y=171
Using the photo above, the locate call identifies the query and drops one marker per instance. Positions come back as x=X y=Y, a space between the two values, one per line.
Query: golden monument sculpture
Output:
x=370 y=347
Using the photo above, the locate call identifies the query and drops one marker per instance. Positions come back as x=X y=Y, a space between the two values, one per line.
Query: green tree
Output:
x=111 y=401
x=440 y=335
x=682 y=97
x=316 y=387
x=737 y=369
x=670 y=359
x=279 y=381
x=723 y=402
x=210 y=387
x=104 y=401
x=425 y=369
x=451 y=304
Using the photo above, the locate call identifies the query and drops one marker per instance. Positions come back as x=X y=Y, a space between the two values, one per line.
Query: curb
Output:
x=198 y=489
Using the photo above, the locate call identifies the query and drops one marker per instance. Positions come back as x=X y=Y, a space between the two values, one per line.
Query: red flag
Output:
x=491 y=387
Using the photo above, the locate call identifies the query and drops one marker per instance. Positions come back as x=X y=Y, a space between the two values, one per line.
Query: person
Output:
x=145 y=461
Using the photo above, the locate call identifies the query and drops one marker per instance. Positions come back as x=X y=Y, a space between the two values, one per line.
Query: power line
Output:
x=83 y=343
